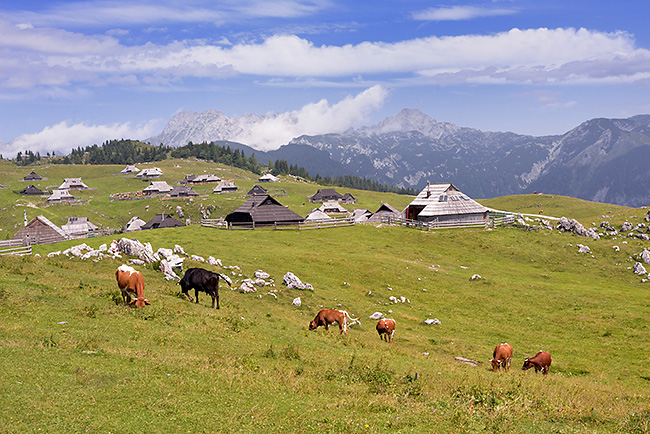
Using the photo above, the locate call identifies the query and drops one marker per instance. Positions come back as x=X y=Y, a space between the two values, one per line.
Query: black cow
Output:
x=202 y=280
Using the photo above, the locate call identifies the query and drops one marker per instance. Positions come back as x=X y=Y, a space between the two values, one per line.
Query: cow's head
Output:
x=527 y=364
x=495 y=364
x=312 y=325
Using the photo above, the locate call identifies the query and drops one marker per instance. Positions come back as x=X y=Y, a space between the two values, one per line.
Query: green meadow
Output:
x=73 y=359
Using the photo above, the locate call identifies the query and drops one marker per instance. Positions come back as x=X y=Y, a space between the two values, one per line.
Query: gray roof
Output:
x=445 y=199
x=204 y=178
x=69 y=183
x=135 y=224
x=158 y=187
x=77 y=225
x=58 y=195
x=263 y=209
x=317 y=214
x=384 y=210
x=225 y=186
x=182 y=191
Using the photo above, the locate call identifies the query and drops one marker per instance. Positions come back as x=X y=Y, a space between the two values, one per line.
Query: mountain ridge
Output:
x=601 y=159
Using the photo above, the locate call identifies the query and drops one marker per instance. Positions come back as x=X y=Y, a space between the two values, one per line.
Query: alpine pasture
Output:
x=74 y=359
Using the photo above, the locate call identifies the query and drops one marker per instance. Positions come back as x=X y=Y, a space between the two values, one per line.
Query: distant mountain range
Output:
x=604 y=160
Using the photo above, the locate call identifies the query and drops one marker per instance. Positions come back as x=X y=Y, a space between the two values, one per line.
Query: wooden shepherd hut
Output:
x=262 y=210
x=40 y=231
x=384 y=213
x=31 y=190
x=162 y=221
x=33 y=177
x=444 y=203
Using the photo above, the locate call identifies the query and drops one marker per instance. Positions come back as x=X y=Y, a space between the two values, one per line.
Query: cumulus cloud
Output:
x=315 y=118
x=457 y=13
x=65 y=136
x=33 y=57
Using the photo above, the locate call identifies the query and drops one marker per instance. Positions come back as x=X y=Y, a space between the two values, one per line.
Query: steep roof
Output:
x=77 y=225
x=30 y=189
x=150 y=172
x=225 y=186
x=384 y=210
x=257 y=189
x=203 y=178
x=158 y=187
x=130 y=169
x=323 y=194
x=332 y=206
x=445 y=199
x=33 y=177
x=317 y=214
x=268 y=178
x=162 y=221
x=263 y=209
x=59 y=195
x=135 y=224
x=182 y=191
x=75 y=183
x=41 y=226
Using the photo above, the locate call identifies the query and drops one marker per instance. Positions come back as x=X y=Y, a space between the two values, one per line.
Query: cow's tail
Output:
x=353 y=321
x=226 y=278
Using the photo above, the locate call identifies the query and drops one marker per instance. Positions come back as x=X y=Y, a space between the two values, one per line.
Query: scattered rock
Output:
x=213 y=261
x=475 y=277
x=583 y=249
x=377 y=315
x=639 y=269
x=197 y=258
x=247 y=286
x=434 y=321
x=293 y=282
x=466 y=361
x=297 y=302
x=262 y=275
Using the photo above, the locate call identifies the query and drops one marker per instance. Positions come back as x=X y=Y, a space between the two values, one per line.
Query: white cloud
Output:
x=64 y=136
x=33 y=57
x=457 y=13
x=316 y=118
x=111 y=12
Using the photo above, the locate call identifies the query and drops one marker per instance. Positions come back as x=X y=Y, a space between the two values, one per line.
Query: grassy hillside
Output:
x=104 y=180
x=254 y=367
x=75 y=360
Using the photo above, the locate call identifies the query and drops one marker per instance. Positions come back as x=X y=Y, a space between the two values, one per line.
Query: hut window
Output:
x=464 y=196
x=442 y=198
x=454 y=197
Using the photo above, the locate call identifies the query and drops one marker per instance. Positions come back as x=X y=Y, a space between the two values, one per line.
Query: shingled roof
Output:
x=442 y=199
x=30 y=189
x=162 y=221
x=263 y=210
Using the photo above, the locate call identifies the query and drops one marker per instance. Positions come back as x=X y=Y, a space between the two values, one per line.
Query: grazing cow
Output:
x=203 y=280
x=386 y=329
x=325 y=317
x=131 y=284
x=541 y=361
x=501 y=357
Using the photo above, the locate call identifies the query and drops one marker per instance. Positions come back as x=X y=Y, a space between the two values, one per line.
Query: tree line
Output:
x=134 y=152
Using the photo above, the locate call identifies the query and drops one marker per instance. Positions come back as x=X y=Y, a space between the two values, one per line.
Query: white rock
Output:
x=296 y=301
x=377 y=315
x=262 y=275
x=434 y=321
x=475 y=277
x=197 y=258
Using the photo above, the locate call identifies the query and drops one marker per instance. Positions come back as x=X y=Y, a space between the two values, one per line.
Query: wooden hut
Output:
x=182 y=191
x=135 y=224
x=129 y=169
x=384 y=213
x=257 y=189
x=444 y=203
x=203 y=179
x=162 y=221
x=268 y=178
x=332 y=207
x=78 y=226
x=31 y=190
x=60 y=196
x=225 y=187
x=157 y=187
x=150 y=173
x=33 y=177
x=40 y=231
x=73 y=184
x=262 y=210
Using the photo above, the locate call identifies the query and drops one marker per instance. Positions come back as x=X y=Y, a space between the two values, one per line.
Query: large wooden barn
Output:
x=444 y=203
x=262 y=210
x=40 y=231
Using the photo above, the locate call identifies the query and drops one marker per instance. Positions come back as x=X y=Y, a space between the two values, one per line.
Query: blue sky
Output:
x=74 y=73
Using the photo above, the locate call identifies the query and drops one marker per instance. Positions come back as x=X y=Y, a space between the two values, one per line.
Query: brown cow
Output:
x=131 y=283
x=386 y=329
x=541 y=361
x=501 y=357
x=325 y=317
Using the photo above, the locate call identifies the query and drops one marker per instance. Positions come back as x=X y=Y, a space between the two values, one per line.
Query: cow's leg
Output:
x=196 y=294
x=217 y=297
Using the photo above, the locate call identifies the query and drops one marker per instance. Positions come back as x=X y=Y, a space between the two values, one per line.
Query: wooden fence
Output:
x=324 y=224
x=14 y=247
x=492 y=221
